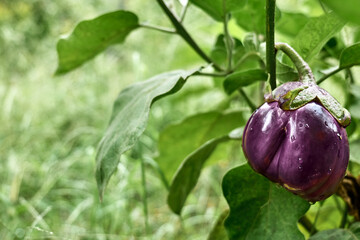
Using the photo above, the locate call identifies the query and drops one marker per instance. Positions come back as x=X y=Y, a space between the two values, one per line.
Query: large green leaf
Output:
x=291 y=23
x=352 y=233
x=314 y=35
x=215 y=9
x=252 y=17
x=349 y=9
x=242 y=79
x=260 y=209
x=129 y=118
x=91 y=37
x=189 y=172
x=177 y=141
x=350 y=56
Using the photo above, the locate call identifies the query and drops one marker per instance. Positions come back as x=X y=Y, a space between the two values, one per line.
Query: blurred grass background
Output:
x=50 y=126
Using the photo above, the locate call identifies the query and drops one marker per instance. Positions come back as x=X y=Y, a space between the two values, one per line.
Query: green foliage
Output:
x=348 y=10
x=188 y=173
x=350 y=56
x=50 y=128
x=242 y=79
x=353 y=233
x=218 y=9
x=91 y=37
x=131 y=109
x=177 y=141
x=317 y=31
x=260 y=214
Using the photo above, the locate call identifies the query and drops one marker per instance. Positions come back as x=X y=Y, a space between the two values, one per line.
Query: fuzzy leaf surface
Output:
x=129 y=119
x=91 y=37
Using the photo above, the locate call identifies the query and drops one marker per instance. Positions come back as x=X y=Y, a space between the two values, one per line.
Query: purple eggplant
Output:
x=297 y=139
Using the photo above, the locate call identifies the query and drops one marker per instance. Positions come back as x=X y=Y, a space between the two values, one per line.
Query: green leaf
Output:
x=285 y=73
x=314 y=35
x=189 y=172
x=350 y=56
x=219 y=54
x=349 y=9
x=353 y=233
x=218 y=232
x=129 y=119
x=260 y=209
x=252 y=17
x=355 y=151
x=214 y=8
x=91 y=37
x=241 y=79
x=291 y=23
x=177 y=141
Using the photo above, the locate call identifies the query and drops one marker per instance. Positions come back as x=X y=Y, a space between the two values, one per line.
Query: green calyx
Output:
x=293 y=95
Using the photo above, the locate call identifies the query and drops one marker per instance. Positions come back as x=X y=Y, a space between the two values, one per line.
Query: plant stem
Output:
x=247 y=99
x=323 y=78
x=158 y=28
x=344 y=217
x=350 y=75
x=302 y=67
x=307 y=224
x=219 y=74
x=270 y=42
x=144 y=198
x=185 y=35
x=312 y=231
x=228 y=40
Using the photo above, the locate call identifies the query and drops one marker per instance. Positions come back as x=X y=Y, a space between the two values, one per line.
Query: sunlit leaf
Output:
x=188 y=173
x=177 y=141
x=314 y=35
x=242 y=79
x=352 y=233
x=91 y=37
x=355 y=151
x=215 y=9
x=252 y=17
x=350 y=56
x=260 y=209
x=349 y=9
x=291 y=23
x=129 y=119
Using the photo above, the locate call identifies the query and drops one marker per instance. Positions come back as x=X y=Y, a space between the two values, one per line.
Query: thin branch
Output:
x=183 y=12
x=323 y=78
x=305 y=222
x=185 y=35
x=270 y=42
x=219 y=74
x=144 y=198
x=158 y=28
x=228 y=40
x=247 y=99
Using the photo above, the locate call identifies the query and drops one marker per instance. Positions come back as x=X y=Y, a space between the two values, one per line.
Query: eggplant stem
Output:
x=306 y=75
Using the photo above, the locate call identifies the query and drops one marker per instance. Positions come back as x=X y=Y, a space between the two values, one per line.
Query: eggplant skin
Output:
x=305 y=150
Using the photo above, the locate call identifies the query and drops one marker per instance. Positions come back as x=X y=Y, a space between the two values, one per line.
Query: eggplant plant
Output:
x=298 y=139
